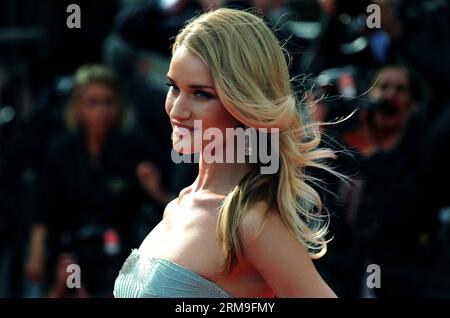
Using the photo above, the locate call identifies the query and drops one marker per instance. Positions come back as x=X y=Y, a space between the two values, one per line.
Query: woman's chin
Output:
x=183 y=149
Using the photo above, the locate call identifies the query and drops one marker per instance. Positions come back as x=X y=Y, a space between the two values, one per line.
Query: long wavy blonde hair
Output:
x=250 y=71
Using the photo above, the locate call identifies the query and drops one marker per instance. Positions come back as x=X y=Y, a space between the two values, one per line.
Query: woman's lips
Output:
x=181 y=130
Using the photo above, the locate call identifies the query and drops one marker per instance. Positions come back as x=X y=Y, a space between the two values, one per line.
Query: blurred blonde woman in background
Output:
x=89 y=195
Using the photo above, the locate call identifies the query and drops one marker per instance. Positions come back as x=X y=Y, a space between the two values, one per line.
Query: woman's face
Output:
x=192 y=97
x=98 y=108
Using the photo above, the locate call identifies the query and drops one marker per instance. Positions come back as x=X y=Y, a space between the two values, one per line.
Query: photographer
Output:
x=391 y=103
x=397 y=224
x=383 y=217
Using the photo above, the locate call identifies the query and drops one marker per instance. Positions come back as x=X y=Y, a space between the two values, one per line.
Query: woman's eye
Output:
x=172 y=86
x=203 y=95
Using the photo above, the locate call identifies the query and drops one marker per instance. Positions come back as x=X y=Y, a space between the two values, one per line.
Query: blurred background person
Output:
x=384 y=145
x=88 y=195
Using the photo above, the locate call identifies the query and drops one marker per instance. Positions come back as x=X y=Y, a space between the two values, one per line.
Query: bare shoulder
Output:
x=169 y=209
x=262 y=226
x=254 y=219
x=279 y=257
x=171 y=206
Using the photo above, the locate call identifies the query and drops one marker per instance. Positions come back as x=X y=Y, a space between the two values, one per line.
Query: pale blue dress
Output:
x=146 y=277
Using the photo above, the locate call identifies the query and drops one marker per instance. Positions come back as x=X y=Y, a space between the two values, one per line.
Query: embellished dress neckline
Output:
x=142 y=276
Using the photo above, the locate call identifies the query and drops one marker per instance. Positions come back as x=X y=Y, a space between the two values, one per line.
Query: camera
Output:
x=340 y=90
x=343 y=90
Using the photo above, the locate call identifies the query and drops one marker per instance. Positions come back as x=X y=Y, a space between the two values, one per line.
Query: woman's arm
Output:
x=279 y=257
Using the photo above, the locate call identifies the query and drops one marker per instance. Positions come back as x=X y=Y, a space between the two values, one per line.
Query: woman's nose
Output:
x=181 y=108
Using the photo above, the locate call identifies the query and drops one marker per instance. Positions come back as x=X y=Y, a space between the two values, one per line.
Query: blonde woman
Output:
x=235 y=232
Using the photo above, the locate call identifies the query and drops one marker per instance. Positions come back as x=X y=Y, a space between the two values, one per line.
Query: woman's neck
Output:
x=219 y=178
x=94 y=142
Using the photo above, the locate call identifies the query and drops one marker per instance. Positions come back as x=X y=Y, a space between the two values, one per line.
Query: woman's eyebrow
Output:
x=195 y=86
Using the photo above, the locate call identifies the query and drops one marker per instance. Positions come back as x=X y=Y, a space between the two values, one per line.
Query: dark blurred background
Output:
x=85 y=168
